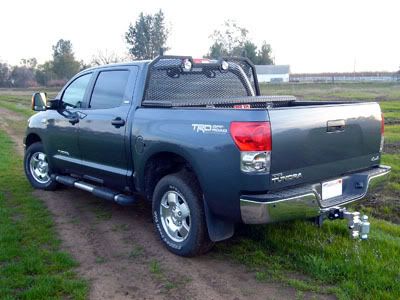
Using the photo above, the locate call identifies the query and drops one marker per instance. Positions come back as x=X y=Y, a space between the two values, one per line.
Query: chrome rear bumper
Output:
x=305 y=201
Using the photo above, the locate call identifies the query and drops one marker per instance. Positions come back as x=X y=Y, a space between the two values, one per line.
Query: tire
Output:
x=185 y=234
x=37 y=169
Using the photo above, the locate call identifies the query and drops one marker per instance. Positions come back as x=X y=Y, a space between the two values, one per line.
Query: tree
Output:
x=264 y=56
x=21 y=76
x=398 y=74
x=4 y=75
x=232 y=40
x=147 y=36
x=105 y=58
x=64 y=65
x=30 y=63
x=44 y=73
x=250 y=51
x=159 y=32
x=61 y=68
x=217 y=50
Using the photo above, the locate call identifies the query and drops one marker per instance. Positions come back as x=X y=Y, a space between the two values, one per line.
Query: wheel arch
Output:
x=32 y=138
x=163 y=163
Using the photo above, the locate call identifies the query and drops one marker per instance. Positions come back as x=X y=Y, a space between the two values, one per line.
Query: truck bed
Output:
x=253 y=102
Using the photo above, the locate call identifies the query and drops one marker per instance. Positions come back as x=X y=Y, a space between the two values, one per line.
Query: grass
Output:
x=155 y=268
x=14 y=105
x=102 y=212
x=334 y=263
x=159 y=274
x=136 y=252
x=391 y=110
x=392 y=133
x=19 y=100
x=31 y=263
x=393 y=160
x=100 y=260
x=339 y=91
x=298 y=253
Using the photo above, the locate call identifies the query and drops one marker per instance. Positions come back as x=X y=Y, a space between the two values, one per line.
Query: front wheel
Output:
x=37 y=168
x=179 y=215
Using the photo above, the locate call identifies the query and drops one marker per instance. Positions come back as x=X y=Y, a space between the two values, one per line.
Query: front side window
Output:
x=75 y=92
x=109 y=89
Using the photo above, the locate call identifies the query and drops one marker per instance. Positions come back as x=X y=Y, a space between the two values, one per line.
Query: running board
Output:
x=98 y=191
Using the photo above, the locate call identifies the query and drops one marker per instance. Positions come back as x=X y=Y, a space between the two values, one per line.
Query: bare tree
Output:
x=232 y=40
x=106 y=57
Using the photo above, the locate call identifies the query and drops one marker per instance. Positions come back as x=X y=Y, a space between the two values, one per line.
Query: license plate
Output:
x=331 y=189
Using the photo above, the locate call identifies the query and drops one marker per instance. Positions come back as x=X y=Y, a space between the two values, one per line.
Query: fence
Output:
x=331 y=78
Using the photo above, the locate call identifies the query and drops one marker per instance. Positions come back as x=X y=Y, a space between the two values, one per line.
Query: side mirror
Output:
x=39 y=101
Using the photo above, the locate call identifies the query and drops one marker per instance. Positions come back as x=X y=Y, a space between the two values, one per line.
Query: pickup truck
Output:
x=197 y=139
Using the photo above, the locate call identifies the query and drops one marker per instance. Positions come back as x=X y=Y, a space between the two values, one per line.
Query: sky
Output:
x=310 y=36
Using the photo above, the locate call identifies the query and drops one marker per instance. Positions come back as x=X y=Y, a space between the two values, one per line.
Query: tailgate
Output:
x=314 y=143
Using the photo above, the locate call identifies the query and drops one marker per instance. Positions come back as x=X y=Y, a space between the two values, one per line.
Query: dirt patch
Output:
x=392 y=148
x=9 y=122
x=122 y=257
x=392 y=121
x=117 y=247
x=385 y=206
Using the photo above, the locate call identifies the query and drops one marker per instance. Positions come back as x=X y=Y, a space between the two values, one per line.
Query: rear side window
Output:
x=109 y=89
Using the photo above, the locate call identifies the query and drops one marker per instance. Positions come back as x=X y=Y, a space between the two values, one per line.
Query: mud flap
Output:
x=218 y=229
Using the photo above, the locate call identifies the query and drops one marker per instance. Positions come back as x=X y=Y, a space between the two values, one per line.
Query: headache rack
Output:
x=181 y=81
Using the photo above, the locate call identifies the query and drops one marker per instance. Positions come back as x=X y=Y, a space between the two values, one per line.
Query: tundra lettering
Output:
x=280 y=177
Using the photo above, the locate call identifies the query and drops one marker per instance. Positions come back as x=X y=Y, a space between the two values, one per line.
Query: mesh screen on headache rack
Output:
x=169 y=80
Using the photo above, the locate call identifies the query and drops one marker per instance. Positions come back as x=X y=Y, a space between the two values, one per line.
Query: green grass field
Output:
x=298 y=253
x=333 y=262
x=31 y=263
x=340 y=91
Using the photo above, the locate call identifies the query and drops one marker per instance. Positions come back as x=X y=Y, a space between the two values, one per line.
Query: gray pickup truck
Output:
x=197 y=139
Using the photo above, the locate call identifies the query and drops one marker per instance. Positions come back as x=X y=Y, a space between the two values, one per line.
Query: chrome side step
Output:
x=98 y=191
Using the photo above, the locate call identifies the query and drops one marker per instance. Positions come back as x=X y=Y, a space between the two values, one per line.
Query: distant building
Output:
x=273 y=73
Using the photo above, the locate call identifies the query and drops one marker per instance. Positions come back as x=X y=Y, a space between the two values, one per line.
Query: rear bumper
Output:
x=305 y=201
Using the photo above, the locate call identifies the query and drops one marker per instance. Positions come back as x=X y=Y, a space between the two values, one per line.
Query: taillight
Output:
x=382 y=133
x=254 y=142
x=251 y=136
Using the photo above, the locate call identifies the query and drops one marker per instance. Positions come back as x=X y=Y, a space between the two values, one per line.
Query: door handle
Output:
x=118 y=122
x=335 y=125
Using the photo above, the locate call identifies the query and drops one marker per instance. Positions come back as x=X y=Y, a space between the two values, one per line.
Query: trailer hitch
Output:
x=358 y=226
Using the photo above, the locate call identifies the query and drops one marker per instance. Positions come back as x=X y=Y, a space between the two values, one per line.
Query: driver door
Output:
x=63 y=125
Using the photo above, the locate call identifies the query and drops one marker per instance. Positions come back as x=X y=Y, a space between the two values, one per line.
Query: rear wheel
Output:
x=179 y=215
x=37 y=168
